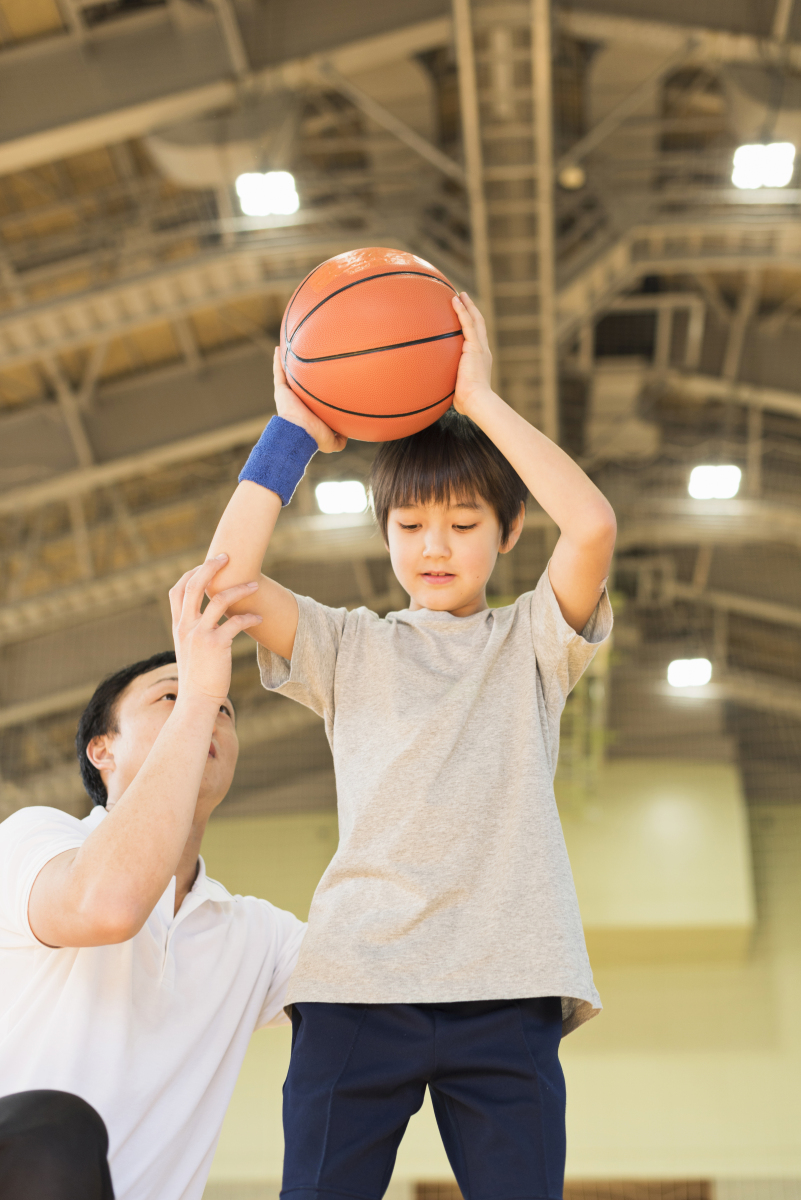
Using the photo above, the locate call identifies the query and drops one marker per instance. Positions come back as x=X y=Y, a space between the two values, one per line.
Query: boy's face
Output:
x=443 y=555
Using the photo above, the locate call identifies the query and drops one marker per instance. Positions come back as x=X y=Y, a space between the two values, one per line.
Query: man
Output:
x=130 y=982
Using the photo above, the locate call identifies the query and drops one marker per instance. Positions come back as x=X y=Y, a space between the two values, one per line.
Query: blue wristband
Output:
x=279 y=459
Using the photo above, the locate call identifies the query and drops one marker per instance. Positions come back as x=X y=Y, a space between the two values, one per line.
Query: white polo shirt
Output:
x=151 y=1032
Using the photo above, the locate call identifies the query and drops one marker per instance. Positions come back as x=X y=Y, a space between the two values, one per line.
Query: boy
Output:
x=445 y=945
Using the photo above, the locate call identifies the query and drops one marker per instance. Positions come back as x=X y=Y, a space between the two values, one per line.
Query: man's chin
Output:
x=215 y=783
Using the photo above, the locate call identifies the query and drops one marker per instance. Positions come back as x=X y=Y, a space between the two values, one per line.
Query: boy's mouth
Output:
x=438 y=578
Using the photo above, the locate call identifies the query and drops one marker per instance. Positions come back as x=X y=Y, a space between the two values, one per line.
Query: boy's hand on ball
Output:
x=291 y=408
x=475 y=366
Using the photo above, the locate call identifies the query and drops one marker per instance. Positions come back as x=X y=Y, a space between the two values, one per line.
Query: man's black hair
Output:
x=100 y=717
x=452 y=461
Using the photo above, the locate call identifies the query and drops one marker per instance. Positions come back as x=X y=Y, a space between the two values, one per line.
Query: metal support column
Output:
x=504 y=53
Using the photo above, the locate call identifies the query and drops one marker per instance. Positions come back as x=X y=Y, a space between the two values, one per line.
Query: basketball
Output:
x=370 y=342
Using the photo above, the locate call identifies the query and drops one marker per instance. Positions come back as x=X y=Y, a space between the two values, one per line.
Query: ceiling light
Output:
x=714 y=483
x=763 y=166
x=689 y=672
x=572 y=177
x=341 y=496
x=269 y=194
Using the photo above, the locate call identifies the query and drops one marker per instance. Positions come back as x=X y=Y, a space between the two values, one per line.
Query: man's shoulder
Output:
x=272 y=921
x=40 y=818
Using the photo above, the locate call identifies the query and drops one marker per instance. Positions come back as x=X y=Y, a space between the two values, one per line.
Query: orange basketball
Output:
x=371 y=343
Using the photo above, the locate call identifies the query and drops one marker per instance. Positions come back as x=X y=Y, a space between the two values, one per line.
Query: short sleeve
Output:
x=29 y=839
x=562 y=654
x=289 y=935
x=309 y=677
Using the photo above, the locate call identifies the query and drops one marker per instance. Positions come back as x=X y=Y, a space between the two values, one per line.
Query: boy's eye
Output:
x=409 y=526
x=224 y=708
x=169 y=696
x=465 y=527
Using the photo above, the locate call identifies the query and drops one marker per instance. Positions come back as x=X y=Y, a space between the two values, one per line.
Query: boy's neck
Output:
x=476 y=604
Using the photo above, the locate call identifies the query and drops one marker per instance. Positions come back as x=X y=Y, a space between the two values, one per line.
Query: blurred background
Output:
x=616 y=182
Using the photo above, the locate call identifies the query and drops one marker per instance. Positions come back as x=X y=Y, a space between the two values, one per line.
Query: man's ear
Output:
x=514 y=532
x=100 y=754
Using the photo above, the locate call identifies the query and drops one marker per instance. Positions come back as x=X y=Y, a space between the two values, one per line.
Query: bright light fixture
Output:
x=689 y=672
x=269 y=194
x=341 y=496
x=714 y=483
x=763 y=166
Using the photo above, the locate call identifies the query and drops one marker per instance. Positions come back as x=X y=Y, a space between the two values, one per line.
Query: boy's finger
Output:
x=224 y=599
x=279 y=375
x=465 y=318
x=474 y=310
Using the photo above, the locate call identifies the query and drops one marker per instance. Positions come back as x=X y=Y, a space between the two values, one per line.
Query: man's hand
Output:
x=202 y=644
x=291 y=408
x=475 y=366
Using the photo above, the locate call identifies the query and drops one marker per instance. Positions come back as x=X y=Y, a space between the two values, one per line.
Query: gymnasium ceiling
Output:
x=138 y=317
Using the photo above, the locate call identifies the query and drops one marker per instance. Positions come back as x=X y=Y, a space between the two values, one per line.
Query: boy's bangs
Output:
x=435 y=487
x=450 y=462
x=437 y=470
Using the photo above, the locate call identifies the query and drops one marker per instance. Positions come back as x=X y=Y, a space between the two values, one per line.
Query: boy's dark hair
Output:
x=100 y=717
x=452 y=461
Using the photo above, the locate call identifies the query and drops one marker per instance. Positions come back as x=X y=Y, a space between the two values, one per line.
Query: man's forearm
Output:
x=113 y=882
x=558 y=484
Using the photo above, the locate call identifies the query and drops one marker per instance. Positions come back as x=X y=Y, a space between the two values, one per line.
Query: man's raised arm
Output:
x=104 y=891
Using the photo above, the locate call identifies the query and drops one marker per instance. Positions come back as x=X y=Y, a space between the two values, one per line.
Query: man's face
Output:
x=443 y=555
x=141 y=713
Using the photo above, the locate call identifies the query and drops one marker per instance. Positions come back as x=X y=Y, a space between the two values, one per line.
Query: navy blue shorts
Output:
x=359 y=1071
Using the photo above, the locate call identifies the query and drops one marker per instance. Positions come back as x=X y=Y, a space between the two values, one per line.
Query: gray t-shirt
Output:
x=451 y=880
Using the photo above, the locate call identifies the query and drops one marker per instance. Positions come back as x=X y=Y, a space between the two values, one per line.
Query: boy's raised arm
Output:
x=247 y=524
x=580 y=563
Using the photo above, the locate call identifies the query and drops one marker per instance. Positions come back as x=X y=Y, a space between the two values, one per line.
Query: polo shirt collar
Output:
x=209 y=889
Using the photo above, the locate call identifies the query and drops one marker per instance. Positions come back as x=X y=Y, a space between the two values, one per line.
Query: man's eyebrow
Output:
x=174 y=679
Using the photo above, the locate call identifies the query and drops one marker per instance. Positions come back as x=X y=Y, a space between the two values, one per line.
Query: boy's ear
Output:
x=514 y=532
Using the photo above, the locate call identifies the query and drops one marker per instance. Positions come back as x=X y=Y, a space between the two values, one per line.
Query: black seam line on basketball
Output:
x=367 y=279
x=294 y=297
x=372 y=416
x=437 y=337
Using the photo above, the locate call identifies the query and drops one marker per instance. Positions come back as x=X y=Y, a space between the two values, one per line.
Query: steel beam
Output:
x=680 y=247
x=504 y=56
x=87 y=479
x=748 y=689
x=703 y=522
x=184 y=73
x=387 y=120
x=729 y=602
x=709 y=45
x=702 y=388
